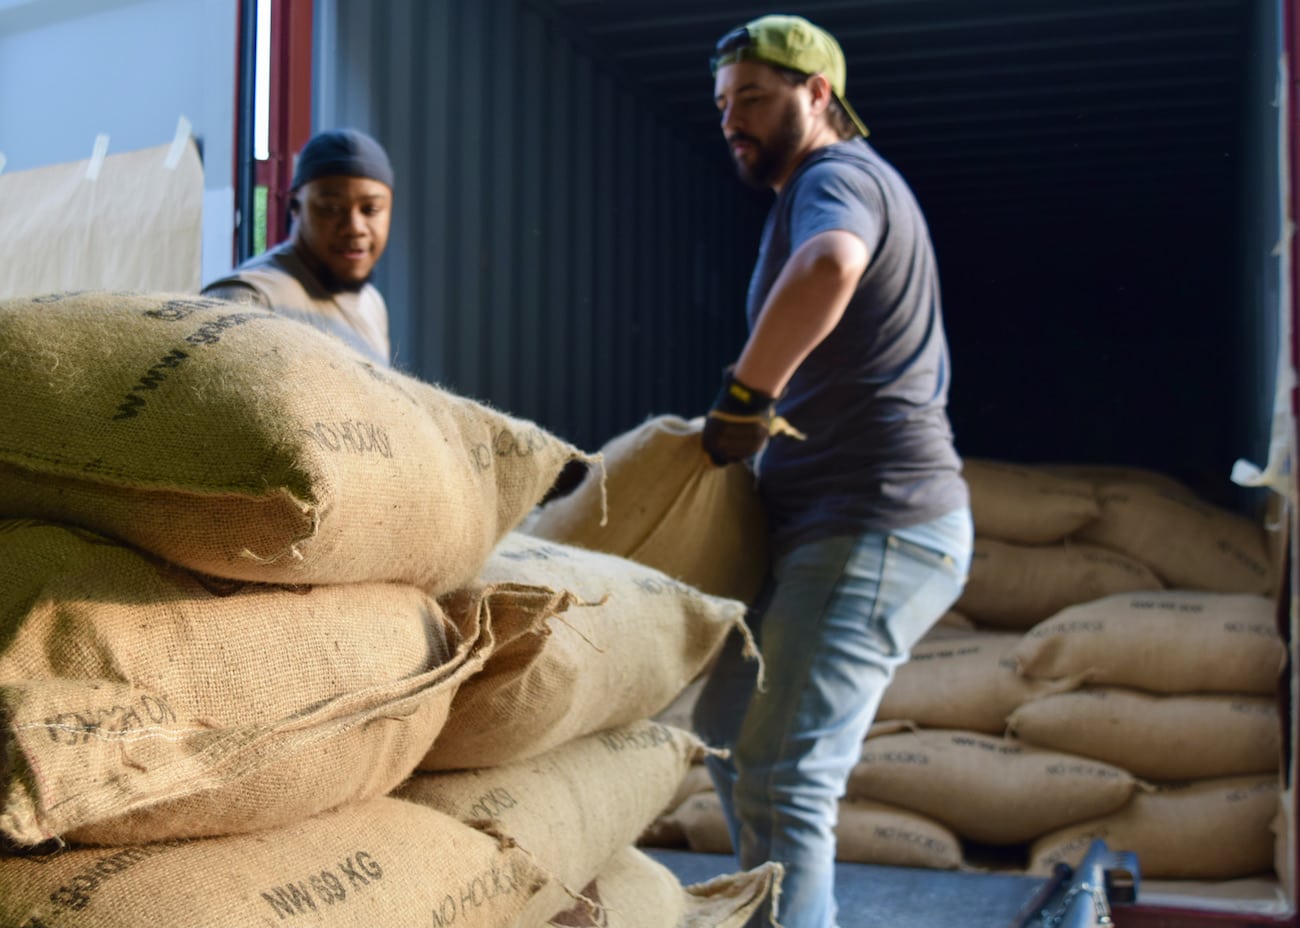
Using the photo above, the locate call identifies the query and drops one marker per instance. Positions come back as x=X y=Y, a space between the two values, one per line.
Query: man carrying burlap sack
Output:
x=341 y=201
x=869 y=514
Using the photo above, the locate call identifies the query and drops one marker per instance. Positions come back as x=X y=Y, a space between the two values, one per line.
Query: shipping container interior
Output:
x=1105 y=183
x=1103 y=180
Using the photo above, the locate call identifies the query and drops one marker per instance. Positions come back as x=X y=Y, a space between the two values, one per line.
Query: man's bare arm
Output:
x=803 y=307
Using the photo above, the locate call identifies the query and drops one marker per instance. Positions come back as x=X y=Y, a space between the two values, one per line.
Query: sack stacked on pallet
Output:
x=143 y=702
x=243 y=444
x=552 y=738
x=1050 y=538
x=1181 y=692
x=1027 y=563
x=577 y=809
x=584 y=641
x=1081 y=651
x=234 y=626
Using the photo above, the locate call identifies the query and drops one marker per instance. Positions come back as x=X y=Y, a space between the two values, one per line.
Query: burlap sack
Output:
x=1171 y=642
x=634 y=890
x=1100 y=475
x=670 y=508
x=665 y=830
x=1212 y=830
x=966 y=682
x=952 y=621
x=1011 y=502
x=877 y=833
x=572 y=808
x=1157 y=737
x=701 y=820
x=993 y=790
x=381 y=862
x=561 y=670
x=1017 y=586
x=1189 y=543
x=867 y=832
x=141 y=702
x=243 y=444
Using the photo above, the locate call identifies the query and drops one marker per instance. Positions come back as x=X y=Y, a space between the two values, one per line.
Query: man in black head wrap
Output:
x=341 y=205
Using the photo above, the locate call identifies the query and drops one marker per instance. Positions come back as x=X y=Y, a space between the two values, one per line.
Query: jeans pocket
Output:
x=925 y=554
x=918 y=584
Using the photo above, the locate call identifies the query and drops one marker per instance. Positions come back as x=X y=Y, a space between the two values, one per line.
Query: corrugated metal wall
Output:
x=558 y=248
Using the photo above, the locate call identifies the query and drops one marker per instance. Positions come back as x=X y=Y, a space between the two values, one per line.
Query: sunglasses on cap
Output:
x=731 y=48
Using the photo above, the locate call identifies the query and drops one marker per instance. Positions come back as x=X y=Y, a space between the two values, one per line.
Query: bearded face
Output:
x=762 y=120
x=761 y=162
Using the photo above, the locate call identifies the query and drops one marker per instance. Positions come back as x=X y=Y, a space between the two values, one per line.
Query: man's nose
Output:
x=726 y=119
x=355 y=220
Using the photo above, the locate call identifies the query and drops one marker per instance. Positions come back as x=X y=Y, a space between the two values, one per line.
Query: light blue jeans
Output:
x=838 y=616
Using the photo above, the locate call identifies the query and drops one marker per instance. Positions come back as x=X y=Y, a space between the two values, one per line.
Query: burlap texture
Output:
x=572 y=808
x=665 y=830
x=962 y=681
x=1011 y=502
x=634 y=890
x=1208 y=830
x=1100 y=475
x=1017 y=586
x=381 y=862
x=562 y=669
x=1157 y=737
x=141 y=703
x=1178 y=641
x=867 y=832
x=1189 y=543
x=245 y=445
x=878 y=833
x=670 y=508
x=993 y=790
x=701 y=820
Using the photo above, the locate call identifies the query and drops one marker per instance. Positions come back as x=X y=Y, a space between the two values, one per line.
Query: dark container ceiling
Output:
x=985 y=103
x=1094 y=176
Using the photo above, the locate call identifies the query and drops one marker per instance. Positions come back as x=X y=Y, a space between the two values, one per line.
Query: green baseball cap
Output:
x=789 y=42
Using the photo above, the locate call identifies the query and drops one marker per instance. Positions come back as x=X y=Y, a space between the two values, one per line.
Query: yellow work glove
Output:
x=740 y=422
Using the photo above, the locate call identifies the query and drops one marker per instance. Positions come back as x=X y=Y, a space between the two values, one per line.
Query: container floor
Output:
x=893 y=897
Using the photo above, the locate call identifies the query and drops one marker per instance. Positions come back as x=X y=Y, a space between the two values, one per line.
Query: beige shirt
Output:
x=283 y=283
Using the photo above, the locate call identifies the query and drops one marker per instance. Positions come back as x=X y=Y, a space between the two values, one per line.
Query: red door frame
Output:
x=290 y=116
x=289 y=119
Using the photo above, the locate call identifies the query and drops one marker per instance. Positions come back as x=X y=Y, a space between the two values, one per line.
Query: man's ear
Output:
x=820 y=89
x=291 y=214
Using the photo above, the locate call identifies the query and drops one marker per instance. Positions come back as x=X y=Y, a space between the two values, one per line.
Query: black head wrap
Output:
x=342 y=152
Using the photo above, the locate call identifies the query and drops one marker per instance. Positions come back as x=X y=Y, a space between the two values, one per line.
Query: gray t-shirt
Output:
x=281 y=281
x=872 y=397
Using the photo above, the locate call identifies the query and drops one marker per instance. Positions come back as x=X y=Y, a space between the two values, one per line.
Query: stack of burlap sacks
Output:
x=1110 y=671
x=1119 y=682
x=270 y=649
